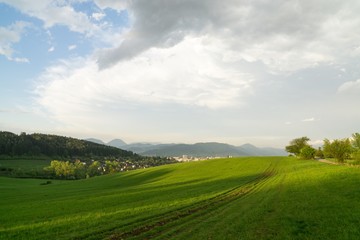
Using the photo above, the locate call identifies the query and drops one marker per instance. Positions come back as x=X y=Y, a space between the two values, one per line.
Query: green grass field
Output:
x=25 y=164
x=238 y=198
x=23 y=167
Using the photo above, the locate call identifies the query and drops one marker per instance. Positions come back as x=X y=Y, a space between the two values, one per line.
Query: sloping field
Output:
x=239 y=198
x=25 y=164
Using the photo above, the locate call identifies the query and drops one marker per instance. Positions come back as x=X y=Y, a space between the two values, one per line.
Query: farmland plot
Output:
x=238 y=198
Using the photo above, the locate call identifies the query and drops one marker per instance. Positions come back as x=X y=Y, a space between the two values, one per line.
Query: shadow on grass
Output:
x=194 y=197
x=142 y=177
x=166 y=202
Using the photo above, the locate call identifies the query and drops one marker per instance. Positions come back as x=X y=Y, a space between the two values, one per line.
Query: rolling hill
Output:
x=55 y=146
x=237 y=198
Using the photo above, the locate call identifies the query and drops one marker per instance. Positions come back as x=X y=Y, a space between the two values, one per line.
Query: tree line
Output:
x=340 y=149
x=79 y=170
x=77 y=159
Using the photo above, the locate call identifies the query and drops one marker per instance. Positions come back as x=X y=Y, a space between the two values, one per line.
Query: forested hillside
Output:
x=55 y=146
x=75 y=158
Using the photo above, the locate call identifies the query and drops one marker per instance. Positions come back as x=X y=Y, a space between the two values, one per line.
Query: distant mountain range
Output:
x=207 y=149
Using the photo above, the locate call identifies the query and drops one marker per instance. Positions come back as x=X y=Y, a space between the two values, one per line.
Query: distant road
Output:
x=327 y=161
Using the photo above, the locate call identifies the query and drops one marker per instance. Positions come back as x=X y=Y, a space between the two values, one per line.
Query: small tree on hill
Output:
x=307 y=152
x=296 y=145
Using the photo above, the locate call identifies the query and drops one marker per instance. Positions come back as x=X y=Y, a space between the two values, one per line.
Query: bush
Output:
x=307 y=152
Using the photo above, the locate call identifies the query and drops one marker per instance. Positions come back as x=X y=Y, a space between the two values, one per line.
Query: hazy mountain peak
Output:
x=117 y=143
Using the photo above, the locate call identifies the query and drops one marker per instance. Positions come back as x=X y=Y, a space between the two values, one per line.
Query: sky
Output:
x=231 y=71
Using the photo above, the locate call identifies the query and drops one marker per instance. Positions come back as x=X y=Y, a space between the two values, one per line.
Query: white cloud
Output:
x=51 y=49
x=186 y=74
x=72 y=47
x=316 y=142
x=308 y=120
x=118 y=5
x=20 y=60
x=98 y=16
x=8 y=37
x=63 y=13
x=350 y=87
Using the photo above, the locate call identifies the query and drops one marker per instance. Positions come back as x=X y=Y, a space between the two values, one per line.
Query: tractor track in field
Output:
x=154 y=227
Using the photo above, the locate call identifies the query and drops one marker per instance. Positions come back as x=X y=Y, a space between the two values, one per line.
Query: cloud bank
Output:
x=284 y=35
x=192 y=72
x=252 y=60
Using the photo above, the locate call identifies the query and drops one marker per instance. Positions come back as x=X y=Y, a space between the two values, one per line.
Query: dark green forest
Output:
x=56 y=146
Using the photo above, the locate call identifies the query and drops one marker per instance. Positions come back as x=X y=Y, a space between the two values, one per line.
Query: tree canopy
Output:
x=307 y=152
x=338 y=148
x=296 y=145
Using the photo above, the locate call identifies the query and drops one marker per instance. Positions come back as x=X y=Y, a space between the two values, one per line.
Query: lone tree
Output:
x=297 y=144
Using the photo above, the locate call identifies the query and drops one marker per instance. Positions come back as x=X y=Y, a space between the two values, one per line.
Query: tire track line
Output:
x=196 y=209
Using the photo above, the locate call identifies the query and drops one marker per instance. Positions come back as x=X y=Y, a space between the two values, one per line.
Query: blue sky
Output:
x=230 y=71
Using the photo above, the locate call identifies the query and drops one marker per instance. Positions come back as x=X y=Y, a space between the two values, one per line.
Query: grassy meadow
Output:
x=26 y=164
x=24 y=167
x=236 y=198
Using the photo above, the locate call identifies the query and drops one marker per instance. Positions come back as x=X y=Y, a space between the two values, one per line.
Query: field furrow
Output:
x=158 y=225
